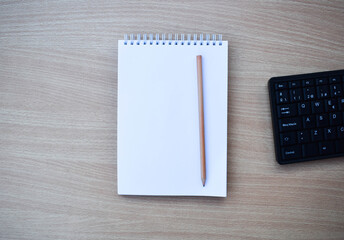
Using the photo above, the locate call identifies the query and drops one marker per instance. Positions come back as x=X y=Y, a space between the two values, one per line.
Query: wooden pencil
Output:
x=201 y=117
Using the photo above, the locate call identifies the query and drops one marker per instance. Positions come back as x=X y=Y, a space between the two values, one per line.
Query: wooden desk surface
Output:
x=58 y=110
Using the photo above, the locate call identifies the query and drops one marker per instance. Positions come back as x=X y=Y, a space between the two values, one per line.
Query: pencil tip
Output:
x=203 y=184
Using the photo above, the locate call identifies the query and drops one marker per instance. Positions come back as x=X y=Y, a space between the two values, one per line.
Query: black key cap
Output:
x=303 y=136
x=310 y=150
x=322 y=120
x=326 y=148
x=340 y=131
x=309 y=121
x=341 y=103
x=280 y=86
x=289 y=110
x=323 y=91
x=331 y=105
x=282 y=97
x=336 y=90
x=317 y=106
x=296 y=95
x=304 y=108
x=334 y=79
x=308 y=83
x=289 y=124
x=317 y=135
x=340 y=146
x=295 y=84
x=321 y=81
x=335 y=118
x=330 y=133
x=288 y=138
x=291 y=152
x=309 y=93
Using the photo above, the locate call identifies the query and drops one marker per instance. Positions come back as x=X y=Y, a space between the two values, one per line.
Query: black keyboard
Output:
x=308 y=116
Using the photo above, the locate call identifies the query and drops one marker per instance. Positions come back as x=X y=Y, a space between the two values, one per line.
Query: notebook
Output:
x=158 y=140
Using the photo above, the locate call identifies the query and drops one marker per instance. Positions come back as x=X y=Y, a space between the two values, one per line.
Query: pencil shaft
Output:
x=201 y=117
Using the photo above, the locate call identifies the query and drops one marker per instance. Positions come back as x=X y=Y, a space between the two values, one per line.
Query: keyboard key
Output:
x=289 y=110
x=322 y=120
x=335 y=118
x=303 y=136
x=336 y=90
x=317 y=135
x=296 y=95
x=280 y=86
x=323 y=91
x=304 y=108
x=340 y=146
x=309 y=93
x=321 y=81
x=282 y=97
x=334 y=79
x=341 y=103
x=291 y=152
x=340 y=131
x=331 y=105
x=330 y=133
x=295 y=84
x=308 y=83
x=317 y=106
x=326 y=148
x=309 y=121
x=289 y=124
x=310 y=150
x=288 y=138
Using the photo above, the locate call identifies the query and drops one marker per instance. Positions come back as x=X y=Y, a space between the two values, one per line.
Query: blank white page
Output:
x=158 y=151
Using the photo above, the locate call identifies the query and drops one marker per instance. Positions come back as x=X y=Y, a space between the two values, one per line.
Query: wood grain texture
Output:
x=58 y=111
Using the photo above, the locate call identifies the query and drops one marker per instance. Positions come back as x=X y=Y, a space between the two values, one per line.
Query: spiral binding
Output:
x=148 y=39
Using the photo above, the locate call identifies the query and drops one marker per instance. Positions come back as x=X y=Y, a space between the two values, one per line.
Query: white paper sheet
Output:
x=158 y=125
